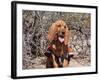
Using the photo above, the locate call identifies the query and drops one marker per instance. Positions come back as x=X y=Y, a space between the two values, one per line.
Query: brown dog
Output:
x=57 y=53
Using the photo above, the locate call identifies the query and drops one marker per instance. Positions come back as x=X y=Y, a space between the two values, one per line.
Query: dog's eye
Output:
x=64 y=26
x=59 y=25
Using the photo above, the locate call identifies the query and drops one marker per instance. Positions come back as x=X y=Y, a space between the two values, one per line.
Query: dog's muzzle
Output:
x=61 y=35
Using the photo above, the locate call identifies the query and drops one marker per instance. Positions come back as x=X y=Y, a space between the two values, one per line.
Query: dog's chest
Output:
x=60 y=48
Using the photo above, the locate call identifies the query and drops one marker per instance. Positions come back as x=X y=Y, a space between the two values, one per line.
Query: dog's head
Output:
x=60 y=28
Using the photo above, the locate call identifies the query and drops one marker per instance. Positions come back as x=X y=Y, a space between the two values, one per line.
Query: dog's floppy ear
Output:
x=52 y=32
x=66 y=37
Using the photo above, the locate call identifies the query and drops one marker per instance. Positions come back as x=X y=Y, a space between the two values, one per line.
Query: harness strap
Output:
x=61 y=59
x=65 y=56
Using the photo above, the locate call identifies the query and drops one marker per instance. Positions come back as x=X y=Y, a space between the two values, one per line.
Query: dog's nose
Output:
x=63 y=32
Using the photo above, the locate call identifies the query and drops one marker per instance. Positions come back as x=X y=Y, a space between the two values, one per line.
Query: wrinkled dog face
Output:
x=61 y=28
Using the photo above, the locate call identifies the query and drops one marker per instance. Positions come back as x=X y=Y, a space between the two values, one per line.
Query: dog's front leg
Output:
x=65 y=63
x=54 y=62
